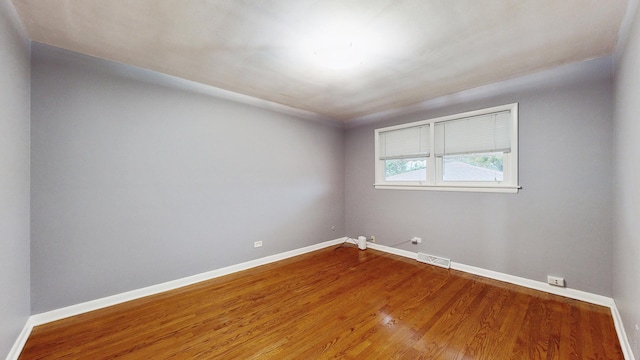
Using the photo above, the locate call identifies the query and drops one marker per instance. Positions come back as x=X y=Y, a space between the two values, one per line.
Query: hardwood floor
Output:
x=337 y=303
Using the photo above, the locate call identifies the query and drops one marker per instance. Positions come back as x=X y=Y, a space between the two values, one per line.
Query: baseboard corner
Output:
x=20 y=342
x=622 y=333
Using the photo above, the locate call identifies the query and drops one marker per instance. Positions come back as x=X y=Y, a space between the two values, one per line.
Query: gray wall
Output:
x=136 y=183
x=626 y=244
x=14 y=177
x=560 y=223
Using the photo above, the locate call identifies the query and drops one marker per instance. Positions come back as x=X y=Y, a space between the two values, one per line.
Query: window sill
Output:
x=465 y=188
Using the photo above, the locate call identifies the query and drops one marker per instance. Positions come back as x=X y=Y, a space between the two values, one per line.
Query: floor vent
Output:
x=434 y=260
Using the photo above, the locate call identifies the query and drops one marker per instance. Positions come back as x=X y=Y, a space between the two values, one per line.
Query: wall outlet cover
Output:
x=555 y=280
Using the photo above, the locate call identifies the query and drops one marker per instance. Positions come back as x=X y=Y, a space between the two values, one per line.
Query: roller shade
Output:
x=404 y=143
x=478 y=134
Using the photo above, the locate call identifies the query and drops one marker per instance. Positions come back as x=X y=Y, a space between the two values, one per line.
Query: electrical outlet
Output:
x=555 y=280
x=257 y=244
x=416 y=240
x=373 y=238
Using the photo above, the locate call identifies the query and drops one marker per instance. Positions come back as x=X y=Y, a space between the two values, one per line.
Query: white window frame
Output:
x=434 y=163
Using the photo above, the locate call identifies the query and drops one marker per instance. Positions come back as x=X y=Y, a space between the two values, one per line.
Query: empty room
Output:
x=280 y=179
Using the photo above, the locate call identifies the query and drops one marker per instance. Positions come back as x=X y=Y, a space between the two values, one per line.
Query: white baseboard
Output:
x=622 y=334
x=58 y=314
x=536 y=285
x=387 y=249
x=394 y=251
x=16 y=349
x=517 y=280
x=77 y=309
x=42 y=318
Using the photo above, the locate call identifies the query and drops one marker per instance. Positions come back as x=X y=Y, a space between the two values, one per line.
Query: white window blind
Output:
x=478 y=134
x=404 y=143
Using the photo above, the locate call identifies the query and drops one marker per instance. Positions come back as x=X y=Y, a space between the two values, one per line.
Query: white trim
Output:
x=434 y=172
x=58 y=314
x=16 y=349
x=42 y=318
x=387 y=249
x=395 y=251
x=512 y=279
x=492 y=189
x=536 y=285
x=622 y=334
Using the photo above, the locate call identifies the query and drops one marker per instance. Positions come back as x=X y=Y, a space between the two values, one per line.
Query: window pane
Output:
x=473 y=167
x=405 y=170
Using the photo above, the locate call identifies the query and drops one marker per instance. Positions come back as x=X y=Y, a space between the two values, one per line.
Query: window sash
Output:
x=478 y=134
x=405 y=143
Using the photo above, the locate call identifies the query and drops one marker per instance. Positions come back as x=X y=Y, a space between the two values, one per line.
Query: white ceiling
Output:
x=405 y=52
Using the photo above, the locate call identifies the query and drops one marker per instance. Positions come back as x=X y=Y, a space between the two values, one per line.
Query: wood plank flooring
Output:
x=337 y=304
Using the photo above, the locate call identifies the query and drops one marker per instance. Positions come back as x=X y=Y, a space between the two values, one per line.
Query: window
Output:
x=474 y=151
x=405 y=152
